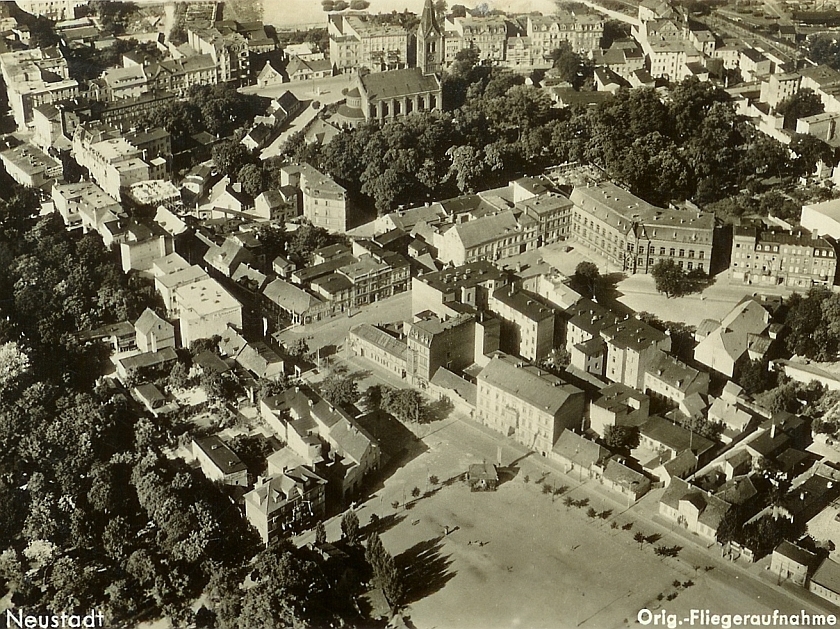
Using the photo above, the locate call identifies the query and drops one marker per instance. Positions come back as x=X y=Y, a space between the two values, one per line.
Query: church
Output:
x=388 y=95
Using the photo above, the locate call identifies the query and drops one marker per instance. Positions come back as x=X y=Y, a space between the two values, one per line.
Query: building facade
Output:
x=527 y=403
x=797 y=259
x=635 y=235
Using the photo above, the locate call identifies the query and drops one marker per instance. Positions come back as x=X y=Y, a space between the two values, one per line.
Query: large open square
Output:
x=519 y=558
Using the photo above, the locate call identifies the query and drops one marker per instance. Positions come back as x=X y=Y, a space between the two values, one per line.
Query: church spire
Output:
x=428 y=20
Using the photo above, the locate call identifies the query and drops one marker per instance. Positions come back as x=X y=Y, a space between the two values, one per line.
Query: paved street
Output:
x=518 y=558
x=334 y=331
x=325 y=91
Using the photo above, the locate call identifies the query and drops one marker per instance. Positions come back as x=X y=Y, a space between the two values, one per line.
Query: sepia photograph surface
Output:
x=414 y=314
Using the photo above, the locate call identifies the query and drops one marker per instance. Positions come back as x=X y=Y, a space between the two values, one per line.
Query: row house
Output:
x=35 y=77
x=524 y=402
x=634 y=235
x=794 y=259
x=448 y=292
x=358 y=41
x=379 y=347
x=582 y=32
x=527 y=328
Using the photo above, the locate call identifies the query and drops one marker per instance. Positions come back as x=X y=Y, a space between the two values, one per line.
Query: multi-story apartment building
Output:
x=797 y=259
x=527 y=323
x=582 y=32
x=527 y=403
x=30 y=166
x=179 y=75
x=112 y=161
x=229 y=52
x=288 y=502
x=125 y=113
x=488 y=35
x=55 y=123
x=205 y=309
x=55 y=10
x=447 y=293
x=632 y=345
x=35 y=77
x=634 y=235
x=84 y=205
x=323 y=201
x=433 y=342
x=357 y=41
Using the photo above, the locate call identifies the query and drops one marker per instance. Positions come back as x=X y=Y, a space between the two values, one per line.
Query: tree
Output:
x=178 y=377
x=570 y=66
x=374 y=395
x=340 y=390
x=668 y=278
x=622 y=438
x=251 y=178
x=640 y=538
x=802 y=104
x=755 y=376
x=230 y=157
x=404 y=404
x=320 y=533
x=350 y=527
x=586 y=277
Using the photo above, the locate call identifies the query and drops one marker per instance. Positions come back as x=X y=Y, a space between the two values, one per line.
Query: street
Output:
x=519 y=557
x=325 y=91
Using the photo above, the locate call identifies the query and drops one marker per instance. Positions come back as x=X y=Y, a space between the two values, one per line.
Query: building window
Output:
x=682 y=253
x=691 y=253
x=672 y=252
x=662 y=251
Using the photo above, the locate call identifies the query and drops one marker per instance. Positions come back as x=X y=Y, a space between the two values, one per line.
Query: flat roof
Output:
x=205 y=297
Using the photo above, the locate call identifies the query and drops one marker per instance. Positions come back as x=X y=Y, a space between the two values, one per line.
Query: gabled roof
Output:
x=828 y=576
x=381 y=339
x=231 y=342
x=220 y=454
x=712 y=509
x=529 y=384
x=580 y=450
x=290 y=297
x=148 y=321
x=674 y=437
x=737 y=491
x=398 y=83
x=796 y=554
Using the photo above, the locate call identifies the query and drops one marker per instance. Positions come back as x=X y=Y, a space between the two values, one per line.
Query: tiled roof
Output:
x=530 y=384
x=398 y=83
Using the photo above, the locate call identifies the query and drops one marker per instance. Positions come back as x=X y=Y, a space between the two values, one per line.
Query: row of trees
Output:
x=692 y=146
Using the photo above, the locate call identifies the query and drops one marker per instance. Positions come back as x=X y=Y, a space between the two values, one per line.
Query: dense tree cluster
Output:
x=94 y=514
x=824 y=49
x=86 y=62
x=813 y=324
x=218 y=109
x=675 y=281
x=803 y=103
x=693 y=145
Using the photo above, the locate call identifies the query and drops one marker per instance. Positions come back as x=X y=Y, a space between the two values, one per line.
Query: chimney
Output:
x=773 y=431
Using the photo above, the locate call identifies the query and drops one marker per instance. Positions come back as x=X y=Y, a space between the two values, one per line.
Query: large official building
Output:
x=635 y=235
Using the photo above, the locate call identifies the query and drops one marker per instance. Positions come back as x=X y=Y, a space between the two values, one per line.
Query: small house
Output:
x=483 y=477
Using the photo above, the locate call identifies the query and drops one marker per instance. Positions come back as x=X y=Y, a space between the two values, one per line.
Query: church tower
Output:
x=430 y=41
